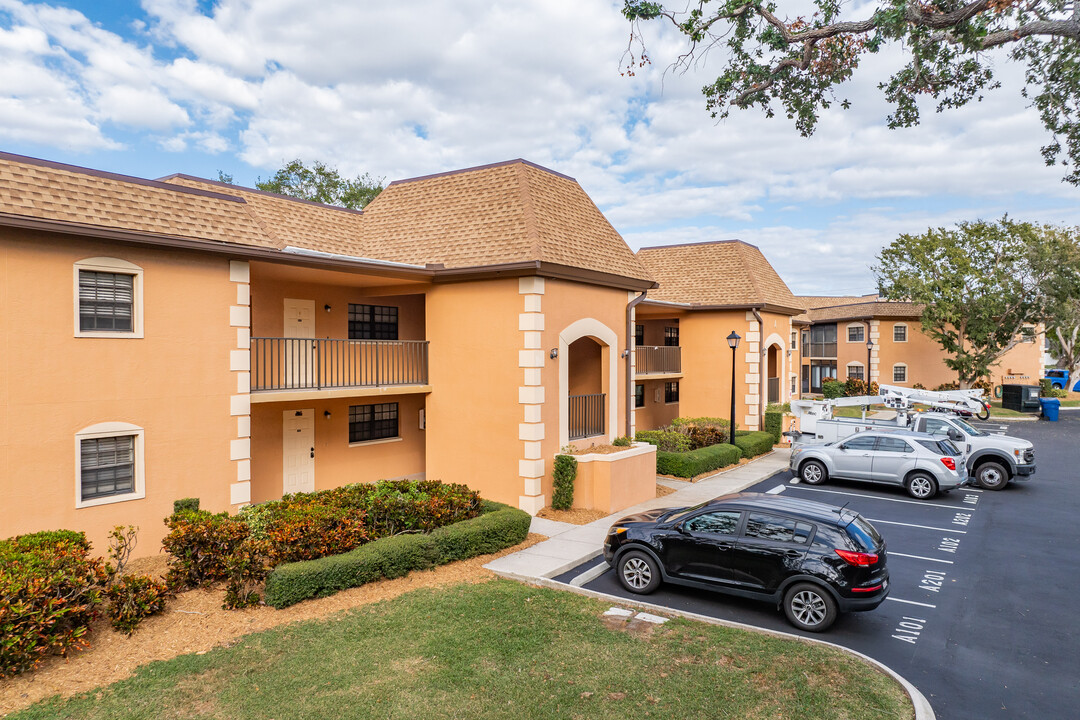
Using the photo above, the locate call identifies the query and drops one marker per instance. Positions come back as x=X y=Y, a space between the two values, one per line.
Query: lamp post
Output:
x=733 y=342
x=869 y=349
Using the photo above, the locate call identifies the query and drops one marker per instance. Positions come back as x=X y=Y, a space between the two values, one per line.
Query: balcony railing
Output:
x=314 y=364
x=819 y=350
x=657 y=360
x=586 y=415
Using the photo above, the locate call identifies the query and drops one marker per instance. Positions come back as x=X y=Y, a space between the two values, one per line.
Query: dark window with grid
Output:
x=373 y=422
x=855 y=333
x=899 y=333
x=855 y=372
x=794 y=340
x=639 y=395
x=107 y=466
x=671 y=392
x=373 y=322
x=639 y=335
x=899 y=373
x=671 y=336
x=106 y=301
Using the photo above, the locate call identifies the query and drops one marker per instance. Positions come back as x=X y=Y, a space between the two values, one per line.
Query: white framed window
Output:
x=899 y=332
x=109 y=464
x=856 y=371
x=899 y=373
x=794 y=339
x=108 y=296
x=1027 y=334
x=856 y=333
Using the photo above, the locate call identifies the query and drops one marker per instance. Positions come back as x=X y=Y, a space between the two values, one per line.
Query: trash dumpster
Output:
x=1050 y=408
x=1021 y=398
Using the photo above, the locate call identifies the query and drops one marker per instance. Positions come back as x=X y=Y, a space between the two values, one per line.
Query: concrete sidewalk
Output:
x=570 y=545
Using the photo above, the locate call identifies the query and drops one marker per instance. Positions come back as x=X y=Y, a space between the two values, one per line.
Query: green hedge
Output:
x=664 y=440
x=499 y=527
x=696 y=462
x=774 y=424
x=754 y=443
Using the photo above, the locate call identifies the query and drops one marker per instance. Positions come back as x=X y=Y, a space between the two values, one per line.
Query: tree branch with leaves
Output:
x=799 y=63
x=983 y=286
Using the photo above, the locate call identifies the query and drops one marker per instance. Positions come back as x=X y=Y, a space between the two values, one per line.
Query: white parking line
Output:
x=912 y=602
x=924 y=527
x=775 y=491
x=920 y=557
x=877 y=497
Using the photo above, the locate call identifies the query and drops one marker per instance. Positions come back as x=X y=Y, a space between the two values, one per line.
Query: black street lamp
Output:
x=733 y=342
x=869 y=349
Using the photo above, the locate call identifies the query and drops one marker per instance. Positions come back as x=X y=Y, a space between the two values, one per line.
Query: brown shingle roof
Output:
x=876 y=309
x=513 y=212
x=817 y=301
x=51 y=191
x=504 y=213
x=726 y=272
x=288 y=221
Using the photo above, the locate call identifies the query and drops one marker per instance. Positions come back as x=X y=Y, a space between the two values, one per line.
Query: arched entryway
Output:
x=588 y=382
x=774 y=369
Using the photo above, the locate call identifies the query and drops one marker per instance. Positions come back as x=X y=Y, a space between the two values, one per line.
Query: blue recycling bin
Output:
x=1050 y=408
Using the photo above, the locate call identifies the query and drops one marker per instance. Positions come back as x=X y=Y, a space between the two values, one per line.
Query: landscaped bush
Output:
x=664 y=440
x=306 y=532
x=679 y=423
x=774 y=424
x=564 y=473
x=947 y=386
x=857 y=386
x=755 y=443
x=199 y=544
x=185 y=504
x=134 y=597
x=50 y=590
x=499 y=527
x=695 y=462
x=621 y=441
x=832 y=388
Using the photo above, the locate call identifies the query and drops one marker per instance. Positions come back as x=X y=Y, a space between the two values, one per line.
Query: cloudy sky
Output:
x=403 y=89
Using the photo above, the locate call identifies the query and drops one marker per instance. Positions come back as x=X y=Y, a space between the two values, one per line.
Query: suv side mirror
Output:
x=955 y=434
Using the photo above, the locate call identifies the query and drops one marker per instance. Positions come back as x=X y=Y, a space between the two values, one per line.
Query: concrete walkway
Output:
x=570 y=545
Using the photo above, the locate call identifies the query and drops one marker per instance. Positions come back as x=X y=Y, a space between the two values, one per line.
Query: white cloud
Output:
x=403 y=89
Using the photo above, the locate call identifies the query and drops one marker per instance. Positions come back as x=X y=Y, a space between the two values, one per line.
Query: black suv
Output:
x=814 y=559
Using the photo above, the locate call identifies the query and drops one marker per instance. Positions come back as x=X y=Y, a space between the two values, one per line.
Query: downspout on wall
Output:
x=761 y=368
x=630 y=360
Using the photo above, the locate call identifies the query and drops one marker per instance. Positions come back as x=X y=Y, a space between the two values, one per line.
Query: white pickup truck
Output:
x=992 y=460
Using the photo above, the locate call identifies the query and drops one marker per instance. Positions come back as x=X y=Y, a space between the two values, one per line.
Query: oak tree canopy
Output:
x=797 y=63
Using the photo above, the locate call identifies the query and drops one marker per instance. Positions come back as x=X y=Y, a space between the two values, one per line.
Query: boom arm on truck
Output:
x=901 y=399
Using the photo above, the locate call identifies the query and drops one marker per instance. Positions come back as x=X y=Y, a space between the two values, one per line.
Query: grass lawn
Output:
x=496 y=650
x=855 y=411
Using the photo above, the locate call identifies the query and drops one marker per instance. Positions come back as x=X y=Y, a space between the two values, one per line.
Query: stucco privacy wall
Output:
x=175 y=383
x=473 y=410
x=337 y=462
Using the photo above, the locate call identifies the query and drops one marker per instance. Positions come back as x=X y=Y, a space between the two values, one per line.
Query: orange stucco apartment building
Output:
x=185 y=338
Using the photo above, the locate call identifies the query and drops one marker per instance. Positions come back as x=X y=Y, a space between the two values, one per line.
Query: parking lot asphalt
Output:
x=984 y=608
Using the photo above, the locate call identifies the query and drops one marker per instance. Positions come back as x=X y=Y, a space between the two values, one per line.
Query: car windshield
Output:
x=676 y=515
x=967 y=428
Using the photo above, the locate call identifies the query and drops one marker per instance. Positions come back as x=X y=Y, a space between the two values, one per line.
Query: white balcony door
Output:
x=298 y=450
x=299 y=356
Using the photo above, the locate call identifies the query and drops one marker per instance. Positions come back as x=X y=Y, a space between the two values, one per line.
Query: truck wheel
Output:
x=991 y=476
x=813 y=473
x=1056 y=386
x=920 y=486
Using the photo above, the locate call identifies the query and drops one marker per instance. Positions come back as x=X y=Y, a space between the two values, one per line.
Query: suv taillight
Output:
x=858 y=559
x=949 y=463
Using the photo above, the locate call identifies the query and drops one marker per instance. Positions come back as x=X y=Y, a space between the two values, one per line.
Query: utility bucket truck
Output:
x=992 y=460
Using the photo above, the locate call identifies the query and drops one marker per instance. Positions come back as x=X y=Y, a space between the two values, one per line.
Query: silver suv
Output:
x=921 y=463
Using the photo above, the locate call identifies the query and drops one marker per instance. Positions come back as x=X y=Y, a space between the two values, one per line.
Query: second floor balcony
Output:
x=286 y=366
x=658 y=361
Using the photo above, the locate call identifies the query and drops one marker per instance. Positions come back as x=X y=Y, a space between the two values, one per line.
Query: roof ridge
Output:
x=734 y=241
x=532 y=226
x=255 y=191
x=749 y=270
x=481 y=167
x=118 y=177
